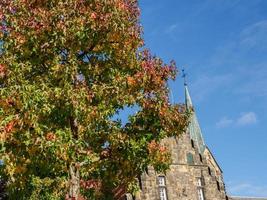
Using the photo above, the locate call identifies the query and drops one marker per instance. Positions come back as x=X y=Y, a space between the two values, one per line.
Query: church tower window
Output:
x=140 y=182
x=200 y=158
x=218 y=186
x=192 y=143
x=200 y=189
x=209 y=171
x=162 y=188
x=190 y=159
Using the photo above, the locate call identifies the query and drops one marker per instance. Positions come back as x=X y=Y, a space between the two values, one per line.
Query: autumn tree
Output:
x=66 y=68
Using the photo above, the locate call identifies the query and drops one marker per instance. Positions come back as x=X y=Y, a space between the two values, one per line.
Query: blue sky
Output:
x=223 y=46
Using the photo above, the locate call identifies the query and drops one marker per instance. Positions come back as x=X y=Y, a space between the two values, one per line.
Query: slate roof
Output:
x=194 y=127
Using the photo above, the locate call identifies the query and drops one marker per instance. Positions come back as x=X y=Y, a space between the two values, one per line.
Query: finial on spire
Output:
x=184 y=75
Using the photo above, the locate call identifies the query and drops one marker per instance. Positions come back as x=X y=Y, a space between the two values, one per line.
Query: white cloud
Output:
x=171 y=28
x=247 y=189
x=204 y=85
x=255 y=83
x=255 y=36
x=244 y=53
x=224 y=122
x=247 y=119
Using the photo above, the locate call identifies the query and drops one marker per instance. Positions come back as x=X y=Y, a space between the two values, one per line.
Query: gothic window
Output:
x=190 y=159
x=162 y=188
x=200 y=189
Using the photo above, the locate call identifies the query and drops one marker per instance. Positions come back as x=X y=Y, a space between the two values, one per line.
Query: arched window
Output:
x=190 y=159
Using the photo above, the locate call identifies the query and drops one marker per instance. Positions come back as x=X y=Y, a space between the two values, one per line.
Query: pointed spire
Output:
x=193 y=127
x=188 y=101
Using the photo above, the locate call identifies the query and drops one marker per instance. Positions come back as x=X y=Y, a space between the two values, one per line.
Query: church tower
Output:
x=194 y=173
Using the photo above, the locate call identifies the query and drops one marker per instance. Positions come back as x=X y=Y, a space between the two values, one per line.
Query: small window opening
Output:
x=140 y=182
x=190 y=159
x=209 y=171
x=162 y=188
x=200 y=158
x=129 y=196
x=192 y=143
x=200 y=189
x=218 y=186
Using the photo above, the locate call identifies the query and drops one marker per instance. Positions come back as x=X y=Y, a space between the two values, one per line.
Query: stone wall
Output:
x=182 y=177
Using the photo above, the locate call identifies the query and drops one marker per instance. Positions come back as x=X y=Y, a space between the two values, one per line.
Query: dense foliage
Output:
x=67 y=67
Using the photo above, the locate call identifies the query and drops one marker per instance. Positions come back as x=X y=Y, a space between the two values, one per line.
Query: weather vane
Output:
x=184 y=75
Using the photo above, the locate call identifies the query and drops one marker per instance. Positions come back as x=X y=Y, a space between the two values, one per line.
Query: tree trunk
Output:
x=74 y=189
x=74 y=172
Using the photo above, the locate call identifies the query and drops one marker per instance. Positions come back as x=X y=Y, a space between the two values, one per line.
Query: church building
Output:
x=194 y=173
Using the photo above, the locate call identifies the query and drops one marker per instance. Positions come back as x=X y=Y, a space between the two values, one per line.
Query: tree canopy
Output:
x=67 y=67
